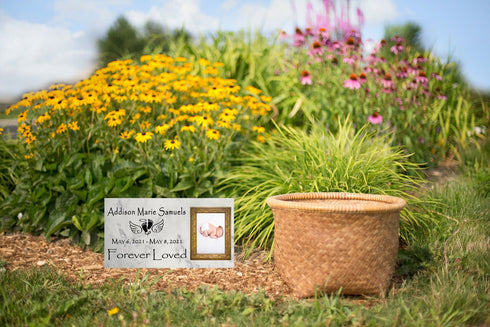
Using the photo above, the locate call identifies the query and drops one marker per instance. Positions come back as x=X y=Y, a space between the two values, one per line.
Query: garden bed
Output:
x=22 y=251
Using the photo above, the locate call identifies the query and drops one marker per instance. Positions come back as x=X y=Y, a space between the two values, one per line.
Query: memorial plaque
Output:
x=168 y=233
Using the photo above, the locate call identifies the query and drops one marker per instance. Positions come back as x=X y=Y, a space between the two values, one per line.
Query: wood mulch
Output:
x=22 y=251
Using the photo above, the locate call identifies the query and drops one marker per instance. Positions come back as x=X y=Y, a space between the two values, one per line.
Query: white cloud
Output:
x=229 y=4
x=177 y=14
x=378 y=11
x=35 y=55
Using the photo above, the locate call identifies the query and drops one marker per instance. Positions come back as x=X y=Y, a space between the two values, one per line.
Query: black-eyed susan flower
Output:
x=74 y=126
x=125 y=135
x=253 y=90
x=143 y=137
x=224 y=124
x=171 y=144
x=145 y=124
x=258 y=129
x=212 y=134
x=61 y=128
x=162 y=128
x=113 y=122
x=203 y=121
x=188 y=128
x=22 y=116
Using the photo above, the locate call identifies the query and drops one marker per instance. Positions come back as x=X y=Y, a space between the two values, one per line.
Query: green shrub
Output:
x=320 y=161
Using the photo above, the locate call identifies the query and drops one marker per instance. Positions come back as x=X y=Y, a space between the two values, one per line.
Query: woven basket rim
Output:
x=364 y=202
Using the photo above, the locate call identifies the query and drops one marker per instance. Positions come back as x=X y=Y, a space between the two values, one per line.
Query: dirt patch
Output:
x=21 y=251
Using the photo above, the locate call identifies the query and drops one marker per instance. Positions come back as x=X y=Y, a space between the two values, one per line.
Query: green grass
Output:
x=320 y=161
x=444 y=281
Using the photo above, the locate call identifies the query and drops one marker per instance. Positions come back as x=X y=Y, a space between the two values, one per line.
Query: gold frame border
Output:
x=228 y=240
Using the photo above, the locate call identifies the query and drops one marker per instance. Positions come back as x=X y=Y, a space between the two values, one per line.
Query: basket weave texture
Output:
x=336 y=241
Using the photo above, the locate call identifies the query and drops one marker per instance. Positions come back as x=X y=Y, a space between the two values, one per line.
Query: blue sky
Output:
x=50 y=41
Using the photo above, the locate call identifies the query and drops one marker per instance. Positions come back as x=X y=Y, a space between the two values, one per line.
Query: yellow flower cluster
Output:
x=161 y=97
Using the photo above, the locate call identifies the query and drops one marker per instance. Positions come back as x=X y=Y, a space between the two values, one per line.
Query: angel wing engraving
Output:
x=157 y=228
x=135 y=228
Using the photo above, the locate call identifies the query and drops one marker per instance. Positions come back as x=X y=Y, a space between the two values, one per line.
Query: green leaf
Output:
x=87 y=177
x=85 y=238
x=95 y=194
x=57 y=220
x=183 y=185
x=76 y=223
x=75 y=183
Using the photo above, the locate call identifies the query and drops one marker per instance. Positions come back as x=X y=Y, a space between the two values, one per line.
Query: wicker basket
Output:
x=336 y=241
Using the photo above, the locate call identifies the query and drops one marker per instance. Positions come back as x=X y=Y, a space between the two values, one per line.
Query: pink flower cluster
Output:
x=405 y=78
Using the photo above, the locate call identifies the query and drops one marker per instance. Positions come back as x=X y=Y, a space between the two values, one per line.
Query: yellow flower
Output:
x=171 y=144
x=43 y=118
x=113 y=311
x=145 y=124
x=203 y=121
x=74 y=126
x=146 y=109
x=61 y=128
x=265 y=98
x=143 y=137
x=260 y=138
x=188 y=127
x=258 y=129
x=191 y=160
x=126 y=135
x=113 y=122
x=203 y=62
x=135 y=118
x=22 y=116
x=1 y=130
x=29 y=156
x=226 y=116
x=253 y=90
x=162 y=128
x=212 y=134
x=224 y=124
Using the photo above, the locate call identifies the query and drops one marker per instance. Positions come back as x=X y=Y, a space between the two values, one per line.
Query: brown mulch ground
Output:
x=22 y=251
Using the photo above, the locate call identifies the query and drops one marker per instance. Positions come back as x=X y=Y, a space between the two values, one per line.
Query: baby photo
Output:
x=210 y=232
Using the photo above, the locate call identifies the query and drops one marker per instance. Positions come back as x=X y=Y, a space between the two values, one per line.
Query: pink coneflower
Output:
x=316 y=49
x=335 y=45
x=397 y=48
x=305 y=78
x=299 y=38
x=422 y=78
x=387 y=82
x=402 y=72
x=436 y=76
x=283 y=35
x=375 y=119
x=322 y=33
x=387 y=90
x=362 y=77
x=350 y=60
x=420 y=59
x=352 y=82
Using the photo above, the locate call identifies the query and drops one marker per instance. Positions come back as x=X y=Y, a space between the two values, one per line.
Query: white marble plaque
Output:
x=168 y=233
